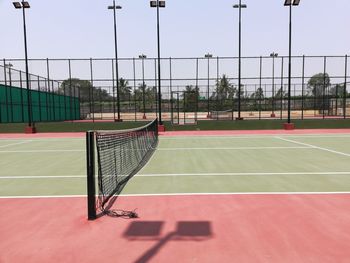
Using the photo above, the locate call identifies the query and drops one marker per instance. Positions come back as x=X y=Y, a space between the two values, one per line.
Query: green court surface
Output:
x=202 y=164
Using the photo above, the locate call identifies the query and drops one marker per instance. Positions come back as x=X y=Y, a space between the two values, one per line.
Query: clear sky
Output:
x=189 y=28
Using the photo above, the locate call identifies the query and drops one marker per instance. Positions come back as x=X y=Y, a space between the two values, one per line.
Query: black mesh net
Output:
x=121 y=154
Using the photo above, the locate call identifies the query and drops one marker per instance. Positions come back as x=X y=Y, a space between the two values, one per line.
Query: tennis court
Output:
x=201 y=198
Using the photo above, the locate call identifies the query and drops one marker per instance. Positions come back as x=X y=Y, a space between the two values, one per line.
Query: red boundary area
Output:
x=225 y=228
x=183 y=133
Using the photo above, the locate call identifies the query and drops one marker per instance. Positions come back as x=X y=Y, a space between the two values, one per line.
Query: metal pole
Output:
x=47 y=96
x=27 y=71
x=290 y=61
x=282 y=97
x=260 y=89
x=303 y=89
x=273 y=86
x=116 y=58
x=345 y=85
x=134 y=75
x=143 y=88
x=324 y=88
x=208 y=89
x=92 y=102
x=197 y=91
x=239 y=62
x=159 y=75
x=113 y=80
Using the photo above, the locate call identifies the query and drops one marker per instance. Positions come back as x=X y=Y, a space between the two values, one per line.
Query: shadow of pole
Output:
x=150 y=230
x=152 y=251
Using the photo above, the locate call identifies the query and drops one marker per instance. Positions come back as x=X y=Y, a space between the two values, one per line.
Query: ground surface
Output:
x=271 y=196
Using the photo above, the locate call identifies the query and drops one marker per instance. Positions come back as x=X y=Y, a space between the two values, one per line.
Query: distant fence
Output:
x=44 y=106
x=192 y=88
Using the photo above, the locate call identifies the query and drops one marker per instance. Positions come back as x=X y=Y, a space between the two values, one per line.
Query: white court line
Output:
x=209 y=137
x=42 y=176
x=178 y=174
x=183 y=194
x=43 y=139
x=41 y=151
x=17 y=143
x=164 y=149
x=239 y=174
x=230 y=148
x=313 y=146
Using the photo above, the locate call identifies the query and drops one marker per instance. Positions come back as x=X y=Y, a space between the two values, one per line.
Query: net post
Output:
x=90 y=158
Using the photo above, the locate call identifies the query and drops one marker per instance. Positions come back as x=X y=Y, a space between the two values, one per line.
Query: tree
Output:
x=317 y=86
x=338 y=91
x=124 y=90
x=258 y=94
x=190 y=96
x=224 y=93
x=84 y=90
x=281 y=93
x=224 y=89
x=318 y=83
x=150 y=95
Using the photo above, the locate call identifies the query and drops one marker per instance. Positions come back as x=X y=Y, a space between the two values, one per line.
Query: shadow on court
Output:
x=151 y=230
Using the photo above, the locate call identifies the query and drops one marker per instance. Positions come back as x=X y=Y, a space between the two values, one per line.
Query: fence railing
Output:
x=193 y=88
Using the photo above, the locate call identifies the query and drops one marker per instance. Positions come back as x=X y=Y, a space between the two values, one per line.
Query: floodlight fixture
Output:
x=208 y=55
x=274 y=54
x=142 y=56
x=291 y=2
x=17 y=5
x=116 y=7
x=154 y=3
x=25 y=4
x=240 y=6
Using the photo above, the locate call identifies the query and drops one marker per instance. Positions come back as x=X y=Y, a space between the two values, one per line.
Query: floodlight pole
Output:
x=143 y=84
x=159 y=76
x=158 y=4
x=290 y=3
x=290 y=61
x=23 y=5
x=239 y=6
x=208 y=56
x=273 y=55
x=114 y=7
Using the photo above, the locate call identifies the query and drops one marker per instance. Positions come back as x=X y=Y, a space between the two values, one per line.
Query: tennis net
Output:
x=120 y=155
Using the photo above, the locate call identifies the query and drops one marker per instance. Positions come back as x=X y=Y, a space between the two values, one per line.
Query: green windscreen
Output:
x=45 y=106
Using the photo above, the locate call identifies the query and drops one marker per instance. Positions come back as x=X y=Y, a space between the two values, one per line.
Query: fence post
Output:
x=324 y=87
x=92 y=93
x=345 y=86
x=302 y=89
x=282 y=97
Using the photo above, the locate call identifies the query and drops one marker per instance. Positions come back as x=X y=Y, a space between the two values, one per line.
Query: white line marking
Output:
x=238 y=174
x=43 y=140
x=163 y=149
x=182 y=194
x=183 y=174
x=17 y=143
x=230 y=148
x=313 y=146
x=209 y=137
x=41 y=151
x=42 y=176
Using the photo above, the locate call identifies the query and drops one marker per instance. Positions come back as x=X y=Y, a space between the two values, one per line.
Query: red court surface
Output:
x=189 y=228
